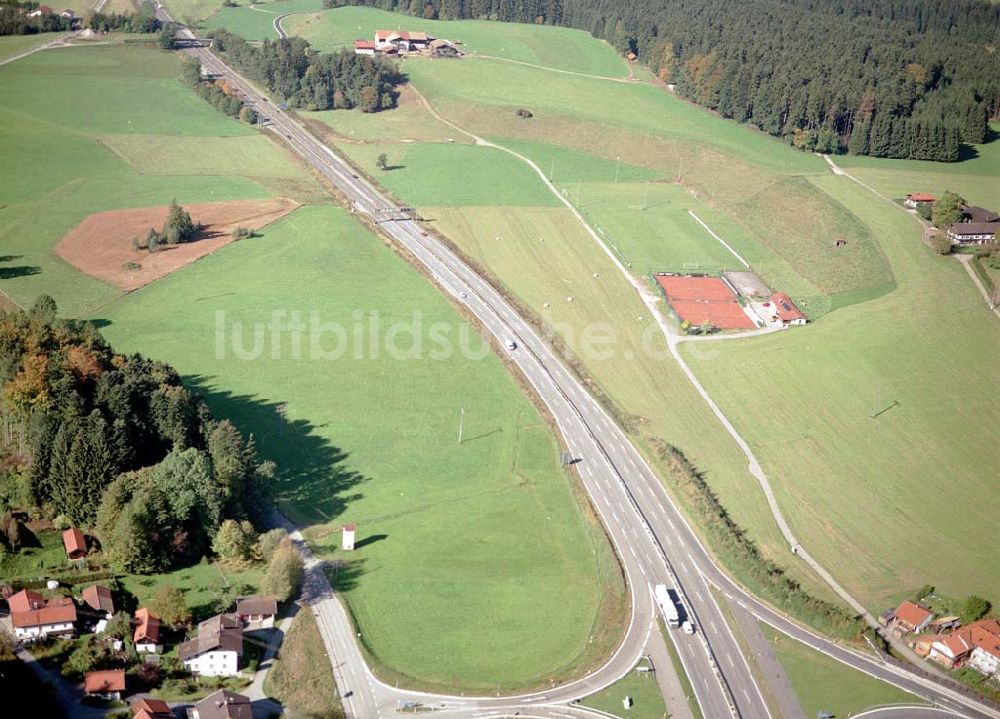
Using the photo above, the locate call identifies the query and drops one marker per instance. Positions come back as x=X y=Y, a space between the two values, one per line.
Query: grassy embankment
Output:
x=780 y=209
x=490 y=534
x=301 y=677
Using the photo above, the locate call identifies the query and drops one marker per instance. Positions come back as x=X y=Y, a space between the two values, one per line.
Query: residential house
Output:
x=976 y=646
x=147 y=631
x=41 y=10
x=971 y=213
x=56 y=618
x=218 y=648
x=151 y=709
x=257 y=611
x=99 y=599
x=75 y=543
x=911 y=617
x=788 y=314
x=224 y=704
x=443 y=48
x=68 y=14
x=25 y=601
x=105 y=685
x=401 y=41
x=364 y=47
x=973 y=233
x=916 y=199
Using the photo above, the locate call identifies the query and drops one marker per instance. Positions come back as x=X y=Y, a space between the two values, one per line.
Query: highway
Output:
x=653 y=541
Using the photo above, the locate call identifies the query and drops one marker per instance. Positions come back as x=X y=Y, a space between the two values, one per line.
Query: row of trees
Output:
x=891 y=78
x=218 y=94
x=116 y=443
x=14 y=20
x=302 y=77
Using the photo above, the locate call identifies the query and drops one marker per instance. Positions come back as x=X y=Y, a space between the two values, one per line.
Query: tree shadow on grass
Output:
x=314 y=481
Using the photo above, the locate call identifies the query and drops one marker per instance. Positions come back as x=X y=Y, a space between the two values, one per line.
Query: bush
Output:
x=924 y=591
x=268 y=542
x=941 y=244
x=284 y=573
x=525 y=114
x=973 y=608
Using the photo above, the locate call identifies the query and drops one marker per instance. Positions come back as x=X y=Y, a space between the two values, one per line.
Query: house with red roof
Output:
x=56 y=618
x=976 y=646
x=786 y=311
x=916 y=199
x=147 y=631
x=107 y=684
x=911 y=618
x=99 y=599
x=147 y=708
x=364 y=47
x=25 y=601
x=401 y=40
x=75 y=543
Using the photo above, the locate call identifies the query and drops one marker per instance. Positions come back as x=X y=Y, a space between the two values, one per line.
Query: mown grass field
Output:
x=461 y=548
x=851 y=485
x=976 y=179
x=14 y=44
x=823 y=684
x=201 y=583
x=647 y=702
x=47 y=558
x=849 y=490
x=558 y=47
x=301 y=677
x=257 y=22
x=86 y=129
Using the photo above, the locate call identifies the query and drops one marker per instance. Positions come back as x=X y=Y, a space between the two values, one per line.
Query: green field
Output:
x=14 y=44
x=556 y=47
x=795 y=396
x=441 y=571
x=35 y=562
x=201 y=583
x=96 y=128
x=256 y=22
x=823 y=684
x=647 y=703
x=301 y=677
x=976 y=179
x=851 y=485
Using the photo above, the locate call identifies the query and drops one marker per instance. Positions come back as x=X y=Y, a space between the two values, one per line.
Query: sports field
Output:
x=784 y=212
x=461 y=547
x=699 y=300
x=98 y=128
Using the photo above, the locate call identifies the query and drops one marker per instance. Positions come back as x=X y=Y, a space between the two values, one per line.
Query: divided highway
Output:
x=653 y=540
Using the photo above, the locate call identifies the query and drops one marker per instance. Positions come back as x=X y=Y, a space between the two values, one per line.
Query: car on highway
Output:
x=688 y=627
x=511 y=344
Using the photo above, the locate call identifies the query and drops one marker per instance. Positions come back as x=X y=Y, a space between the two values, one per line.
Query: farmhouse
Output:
x=25 y=601
x=147 y=631
x=151 y=709
x=217 y=649
x=364 y=47
x=916 y=199
x=224 y=704
x=443 y=48
x=56 y=618
x=788 y=313
x=99 y=599
x=40 y=10
x=257 y=611
x=910 y=617
x=105 y=685
x=75 y=543
x=976 y=646
x=973 y=233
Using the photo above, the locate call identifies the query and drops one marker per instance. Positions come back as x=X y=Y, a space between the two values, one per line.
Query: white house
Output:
x=57 y=618
x=218 y=648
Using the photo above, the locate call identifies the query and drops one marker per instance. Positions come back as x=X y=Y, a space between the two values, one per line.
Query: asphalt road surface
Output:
x=653 y=540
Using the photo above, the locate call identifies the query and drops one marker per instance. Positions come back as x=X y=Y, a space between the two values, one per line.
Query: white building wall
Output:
x=43 y=630
x=983 y=662
x=214 y=664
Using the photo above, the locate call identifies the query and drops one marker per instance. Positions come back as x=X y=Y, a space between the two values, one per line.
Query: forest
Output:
x=889 y=78
x=117 y=446
x=303 y=77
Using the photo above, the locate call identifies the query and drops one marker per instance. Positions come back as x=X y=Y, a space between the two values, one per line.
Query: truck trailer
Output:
x=667 y=606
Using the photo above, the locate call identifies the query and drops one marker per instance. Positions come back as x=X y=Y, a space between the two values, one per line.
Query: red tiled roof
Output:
x=148 y=629
x=46 y=9
x=55 y=613
x=920 y=197
x=350 y=527
x=257 y=604
x=364 y=45
x=99 y=598
x=787 y=311
x=151 y=709
x=112 y=680
x=912 y=614
x=74 y=541
x=25 y=601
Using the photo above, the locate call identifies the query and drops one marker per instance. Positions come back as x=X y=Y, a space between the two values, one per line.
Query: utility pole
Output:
x=461 y=423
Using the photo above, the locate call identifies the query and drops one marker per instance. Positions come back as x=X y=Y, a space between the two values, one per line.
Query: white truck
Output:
x=667 y=606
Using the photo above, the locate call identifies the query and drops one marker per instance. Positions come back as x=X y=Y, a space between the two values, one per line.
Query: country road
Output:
x=653 y=540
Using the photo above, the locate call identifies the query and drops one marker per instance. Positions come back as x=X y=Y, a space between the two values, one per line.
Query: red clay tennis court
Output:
x=704 y=299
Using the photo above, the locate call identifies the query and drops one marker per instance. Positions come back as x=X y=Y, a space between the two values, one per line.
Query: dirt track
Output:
x=101 y=245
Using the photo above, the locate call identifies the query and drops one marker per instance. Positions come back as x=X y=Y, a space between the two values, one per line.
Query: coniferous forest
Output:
x=889 y=78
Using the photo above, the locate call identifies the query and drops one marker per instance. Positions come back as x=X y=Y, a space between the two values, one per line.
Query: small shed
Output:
x=75 y=543
x=347 y=541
